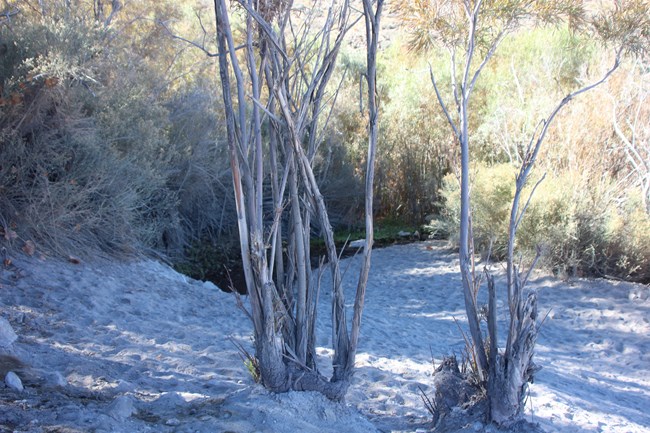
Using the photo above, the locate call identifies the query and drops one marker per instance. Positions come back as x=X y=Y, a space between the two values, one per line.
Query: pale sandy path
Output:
x=142 y=337
x=594 y=345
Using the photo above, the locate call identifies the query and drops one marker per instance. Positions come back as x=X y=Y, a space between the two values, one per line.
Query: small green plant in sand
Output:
x=251 y=363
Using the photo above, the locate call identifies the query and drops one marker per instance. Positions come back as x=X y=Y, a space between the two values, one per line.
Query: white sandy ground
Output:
x=139 y=348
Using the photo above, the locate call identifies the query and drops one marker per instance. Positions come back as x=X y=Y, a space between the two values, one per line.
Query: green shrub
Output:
x=94 y=158
x=628 y=240
x=581 y=228
x=492 y=193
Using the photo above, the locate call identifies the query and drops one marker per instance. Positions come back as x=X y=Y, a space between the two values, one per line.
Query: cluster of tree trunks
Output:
x=275 y=90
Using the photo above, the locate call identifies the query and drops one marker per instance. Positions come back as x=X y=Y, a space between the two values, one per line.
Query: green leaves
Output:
x=624 y=25
x=431 y=23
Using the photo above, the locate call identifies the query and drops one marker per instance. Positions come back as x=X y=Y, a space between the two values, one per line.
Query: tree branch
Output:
x=442 y=104
x=7 y=14
x=192 y=43
x=487 y=58
x=523 y=210
x=265 y=26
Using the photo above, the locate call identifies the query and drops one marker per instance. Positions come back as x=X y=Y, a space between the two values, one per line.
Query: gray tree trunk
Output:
x=282 y=294
x=507 y=374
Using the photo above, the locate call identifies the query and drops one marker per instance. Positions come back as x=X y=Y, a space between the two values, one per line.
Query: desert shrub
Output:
x=414 y=147
x=492 y=193
x=530 y=73
x=627 y=233
x=60 y=188
x=581 y=227
x=559 y=221
x=98 y=158
x=413 y=163
x=341 y=183
x=340 y=163
x=133 y=124
x=199 y=172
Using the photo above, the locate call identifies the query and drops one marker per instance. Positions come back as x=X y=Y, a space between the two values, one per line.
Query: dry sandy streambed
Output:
x=115 y=347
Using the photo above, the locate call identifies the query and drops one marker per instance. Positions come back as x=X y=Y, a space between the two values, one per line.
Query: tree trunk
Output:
x=284 y=310
x=509 y=373
x=372 y=21
x=509 y=376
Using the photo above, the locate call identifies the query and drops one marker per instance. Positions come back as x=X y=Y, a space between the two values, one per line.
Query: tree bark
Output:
x=509 y=376
x=282 y=294
x=373 y=23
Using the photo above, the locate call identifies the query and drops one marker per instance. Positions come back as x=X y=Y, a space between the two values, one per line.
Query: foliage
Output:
x=625 y=24
x=514 y=98
x=627 y=240
x=251 y=363
x=55 y=175
x=107 y=100
x=561 y=219
x=95 y=157
x=416 y=152
x=434 y=23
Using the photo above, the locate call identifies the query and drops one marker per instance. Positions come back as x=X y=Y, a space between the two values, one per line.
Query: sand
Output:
x=137 y=347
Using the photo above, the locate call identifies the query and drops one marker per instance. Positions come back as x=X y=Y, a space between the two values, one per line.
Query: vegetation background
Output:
x=111 y=141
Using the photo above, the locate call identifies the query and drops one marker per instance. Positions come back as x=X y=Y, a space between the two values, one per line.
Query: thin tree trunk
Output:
x=510 y=374
x=301 y=264
x=373 y=22
x=466 y=256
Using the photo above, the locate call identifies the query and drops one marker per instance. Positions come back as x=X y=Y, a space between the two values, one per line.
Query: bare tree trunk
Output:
x=301 y=265
x=507 y=374
x=373 y=24
x=284 y=309
x=511 y=371
x=510 y=375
